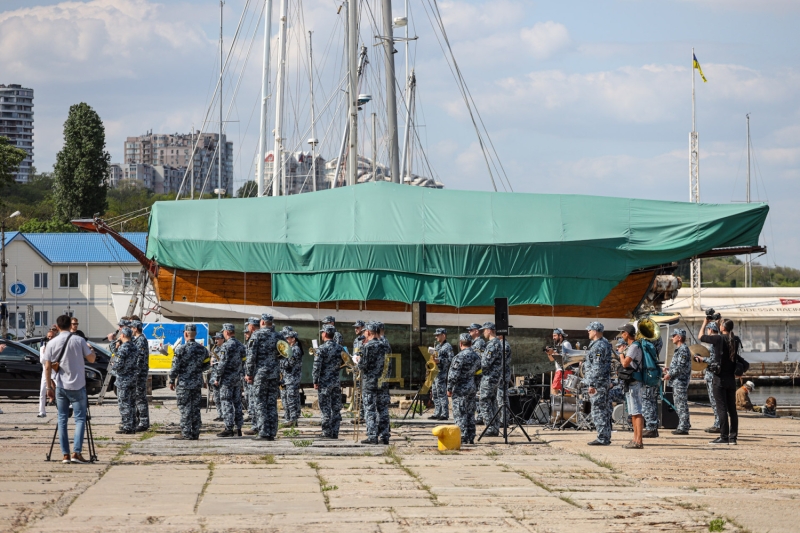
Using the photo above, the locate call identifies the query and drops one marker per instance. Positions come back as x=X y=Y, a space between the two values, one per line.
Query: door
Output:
x=20 y=370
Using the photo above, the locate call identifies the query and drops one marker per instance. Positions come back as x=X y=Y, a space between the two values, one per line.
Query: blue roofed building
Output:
x=50 y=274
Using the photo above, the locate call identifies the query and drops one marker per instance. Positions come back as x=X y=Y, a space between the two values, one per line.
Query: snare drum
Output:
x=572 y=383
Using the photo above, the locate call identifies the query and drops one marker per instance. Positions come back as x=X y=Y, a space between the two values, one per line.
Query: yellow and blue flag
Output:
x=697 y=66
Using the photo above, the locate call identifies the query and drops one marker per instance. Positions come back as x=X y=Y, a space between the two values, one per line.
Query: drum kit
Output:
x=572 y=407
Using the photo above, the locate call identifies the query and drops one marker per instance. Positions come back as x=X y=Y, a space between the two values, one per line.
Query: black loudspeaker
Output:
x=501 y=315
x=522 y=405
x=419 y=317
x=669 y=417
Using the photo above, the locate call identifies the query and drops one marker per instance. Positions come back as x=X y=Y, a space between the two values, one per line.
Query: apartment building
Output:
x=16 y=123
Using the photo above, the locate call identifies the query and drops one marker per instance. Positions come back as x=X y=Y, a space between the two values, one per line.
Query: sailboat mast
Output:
x=748 y=265
x=352 y=94
x=405 y=170
x=313 y=140
x=694 y=193
x=278 y=187
x=262 y=136
x=219 y=141
x=391 y=94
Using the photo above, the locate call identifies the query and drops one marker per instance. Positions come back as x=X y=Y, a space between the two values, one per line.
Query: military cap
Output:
x=124 y=322
x=559 y=331
x=218 y=335
x=441 y=331
x=328 y=329
x=373 y=327
x=229 y=327
x=465 y=338
x=136 y=324
x=380 y=324
x=291 y=333
x=713 y=326
x=473 y=326
x=596 y=326
x=329 y=320
x=189 y=327
x=287 y=329
x=254 y=321
x=266 y=317
x=126 y=331
x=621 y=342
x=680 y=332
x=359 y=324
x=488 y=325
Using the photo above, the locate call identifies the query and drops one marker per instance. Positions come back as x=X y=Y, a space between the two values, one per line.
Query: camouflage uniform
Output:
x=478 y=346
x=491 y=370
x=187 y=370
x=215 y=350
x=461 y=384
x=650 y=397
x=228 y=373
x=143 y=365
x=597 y=372
x=263 y=366
x=326 y=377
x=507 y=350
x=127 y=375
x=371 y=366
x=358 y=343
x=291 y=370
x=385 y=398
x=680 y=372
x=708 y=377
x=445 y=355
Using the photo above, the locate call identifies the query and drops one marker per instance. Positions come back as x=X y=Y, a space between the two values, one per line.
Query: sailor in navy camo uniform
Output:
x=115 y=341
x=325 y=374
x=337 y=337
x=597 y=377
x=444 y=356
x=214 y=350
x=360 y=340
x=227 y=379
x=461 y=387
x=127 y=370
x=291 y=370
x=263 y=370
x=187 y=371
x=143 y=366
x=679 y=373
x=491 y=374
x=650 y=402
x=384 y=396
x=478 y=346
x=250 y=326
x=371 y=365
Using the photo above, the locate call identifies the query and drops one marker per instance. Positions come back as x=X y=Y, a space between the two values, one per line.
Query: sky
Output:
x=584 y=97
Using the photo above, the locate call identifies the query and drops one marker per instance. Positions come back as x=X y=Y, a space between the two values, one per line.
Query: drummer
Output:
x=559 y=345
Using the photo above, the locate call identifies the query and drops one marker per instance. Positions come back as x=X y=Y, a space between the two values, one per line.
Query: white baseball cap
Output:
x=750 y=385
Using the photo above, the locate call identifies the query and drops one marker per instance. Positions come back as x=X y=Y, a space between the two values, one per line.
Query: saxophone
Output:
x=385 y=374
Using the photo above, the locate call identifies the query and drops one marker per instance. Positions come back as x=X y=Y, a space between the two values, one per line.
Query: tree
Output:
x=81 y=166
x=247 y=190
x=10 y=159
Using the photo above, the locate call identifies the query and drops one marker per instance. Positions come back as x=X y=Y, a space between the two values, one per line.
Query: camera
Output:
x=547 y=349
x=712 y=315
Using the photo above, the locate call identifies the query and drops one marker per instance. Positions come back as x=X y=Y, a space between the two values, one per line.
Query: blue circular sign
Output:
x=18 y=289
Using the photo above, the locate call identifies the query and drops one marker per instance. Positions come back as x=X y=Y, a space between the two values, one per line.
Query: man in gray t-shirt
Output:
x=632 y=357
x=69 y=386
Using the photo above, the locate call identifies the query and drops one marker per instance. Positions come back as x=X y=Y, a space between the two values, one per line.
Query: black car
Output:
x=21 y=372
x=102 y=357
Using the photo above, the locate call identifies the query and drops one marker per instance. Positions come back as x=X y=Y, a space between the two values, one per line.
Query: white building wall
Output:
x=90 y=302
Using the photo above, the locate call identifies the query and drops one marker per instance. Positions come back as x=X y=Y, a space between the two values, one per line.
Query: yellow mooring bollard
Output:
x=449 y=437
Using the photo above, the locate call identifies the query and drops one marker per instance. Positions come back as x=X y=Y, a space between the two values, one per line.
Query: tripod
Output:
x=88 y=432
x=416 y=402
x=505 y=409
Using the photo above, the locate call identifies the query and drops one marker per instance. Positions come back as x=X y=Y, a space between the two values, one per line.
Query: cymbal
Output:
x=699 y=350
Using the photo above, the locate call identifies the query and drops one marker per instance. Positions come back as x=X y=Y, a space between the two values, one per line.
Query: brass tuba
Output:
x=284 y=350
x=647 y=329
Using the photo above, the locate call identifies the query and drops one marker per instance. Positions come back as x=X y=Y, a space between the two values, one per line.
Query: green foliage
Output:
x=729 y=272
x=81 y=167
x=718 y=524
x=248 y=190
x=10 y=159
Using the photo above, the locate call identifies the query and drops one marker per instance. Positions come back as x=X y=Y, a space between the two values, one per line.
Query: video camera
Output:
x=712 y=315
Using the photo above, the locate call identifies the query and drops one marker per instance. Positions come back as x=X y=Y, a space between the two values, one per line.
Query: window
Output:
x=40 y=280
x=129 y=279
x=68 y=280
x=41 y=318
x=11 y=352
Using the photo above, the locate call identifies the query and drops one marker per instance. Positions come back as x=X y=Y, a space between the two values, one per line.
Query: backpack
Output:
x=649 y=373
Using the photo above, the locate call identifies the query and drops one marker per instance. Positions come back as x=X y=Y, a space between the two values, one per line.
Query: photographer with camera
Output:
x=559 y=345
x=723 y=367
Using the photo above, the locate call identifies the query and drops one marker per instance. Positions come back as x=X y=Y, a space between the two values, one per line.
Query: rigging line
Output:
x=213 y=103
x=459 y=82
x=108 y=220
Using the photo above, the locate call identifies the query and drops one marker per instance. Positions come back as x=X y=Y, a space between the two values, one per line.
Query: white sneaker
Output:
x=1 y=411
x=41 y=415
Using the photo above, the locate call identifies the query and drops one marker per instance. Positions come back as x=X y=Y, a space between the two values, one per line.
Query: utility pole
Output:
x=262 y=136
x=694 y=193
x=391 y=92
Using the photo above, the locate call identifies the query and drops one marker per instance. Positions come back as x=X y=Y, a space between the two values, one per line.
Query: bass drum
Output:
x=570 y=404
x=618 y=413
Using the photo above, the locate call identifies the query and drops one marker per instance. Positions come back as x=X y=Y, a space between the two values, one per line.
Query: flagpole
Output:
x=694 y=192
x=694 y=126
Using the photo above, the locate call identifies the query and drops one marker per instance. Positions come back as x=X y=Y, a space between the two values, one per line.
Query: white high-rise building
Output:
x=16 y=123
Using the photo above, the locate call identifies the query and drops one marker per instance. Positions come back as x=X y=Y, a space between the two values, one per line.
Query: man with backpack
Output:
x=640 y=367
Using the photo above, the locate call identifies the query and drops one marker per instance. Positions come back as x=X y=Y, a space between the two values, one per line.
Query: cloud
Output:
x=545 y=38
x=100 y=39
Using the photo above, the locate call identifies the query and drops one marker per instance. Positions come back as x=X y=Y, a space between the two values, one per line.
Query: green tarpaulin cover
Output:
x=387 y=241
